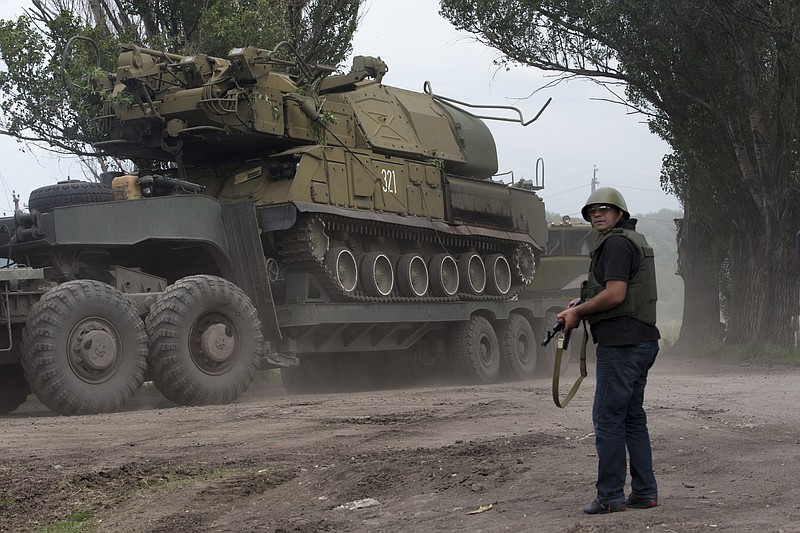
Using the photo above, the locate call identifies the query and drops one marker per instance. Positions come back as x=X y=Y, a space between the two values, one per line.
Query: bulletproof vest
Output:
x=640 y=299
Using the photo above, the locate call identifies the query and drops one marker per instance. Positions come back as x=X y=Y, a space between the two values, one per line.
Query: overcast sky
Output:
x=576 y=133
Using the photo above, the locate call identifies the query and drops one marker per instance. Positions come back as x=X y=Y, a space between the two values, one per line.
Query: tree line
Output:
x=720 y=82
x=48 y=94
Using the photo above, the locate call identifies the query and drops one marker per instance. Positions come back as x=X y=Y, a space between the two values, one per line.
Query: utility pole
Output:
x=594 y=178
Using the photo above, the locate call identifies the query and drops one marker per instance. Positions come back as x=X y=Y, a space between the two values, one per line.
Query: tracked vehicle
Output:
x=280 y=214
x=367 y=188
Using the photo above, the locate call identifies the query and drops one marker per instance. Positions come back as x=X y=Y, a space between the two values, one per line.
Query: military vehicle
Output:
x=559 y=275
x=281 y=215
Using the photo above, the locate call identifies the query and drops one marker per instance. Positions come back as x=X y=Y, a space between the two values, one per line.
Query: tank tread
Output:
x=296 y=245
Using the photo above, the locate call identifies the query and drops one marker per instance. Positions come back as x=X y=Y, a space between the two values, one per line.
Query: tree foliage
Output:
x=720 y=82
x=48 y=97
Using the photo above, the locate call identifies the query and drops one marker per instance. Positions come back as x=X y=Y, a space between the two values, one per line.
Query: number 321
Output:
x=389 y=181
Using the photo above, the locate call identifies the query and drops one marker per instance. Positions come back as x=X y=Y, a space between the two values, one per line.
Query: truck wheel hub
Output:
x=217 y=343
x=97 y=349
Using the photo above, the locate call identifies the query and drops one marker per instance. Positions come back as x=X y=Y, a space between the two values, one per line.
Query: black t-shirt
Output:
x=619 y=261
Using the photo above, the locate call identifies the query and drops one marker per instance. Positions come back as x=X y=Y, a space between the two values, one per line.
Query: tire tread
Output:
x=67 y=193
x=171 y=367
x=45 y=369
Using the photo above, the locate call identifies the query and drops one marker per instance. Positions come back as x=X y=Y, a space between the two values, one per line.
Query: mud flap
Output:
x=249 y=266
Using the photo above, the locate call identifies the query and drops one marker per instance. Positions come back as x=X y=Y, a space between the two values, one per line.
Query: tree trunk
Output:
x=765 y=283
x=699 y=266
x=747 y=278
x=780 y=320
x=99 y=14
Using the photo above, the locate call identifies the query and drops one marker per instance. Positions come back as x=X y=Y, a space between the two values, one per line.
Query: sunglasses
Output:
x=601 y=209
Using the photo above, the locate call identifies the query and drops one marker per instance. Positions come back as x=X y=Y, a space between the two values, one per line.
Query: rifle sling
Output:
x=557 y=368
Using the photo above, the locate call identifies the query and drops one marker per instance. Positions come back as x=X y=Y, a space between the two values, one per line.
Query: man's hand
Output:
x=611 y=296
x=570 y=317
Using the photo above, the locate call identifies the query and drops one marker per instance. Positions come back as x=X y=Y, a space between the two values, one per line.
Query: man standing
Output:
x=620 y=306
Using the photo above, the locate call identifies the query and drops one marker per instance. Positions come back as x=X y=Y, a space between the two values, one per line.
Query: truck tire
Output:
x=547 y=354
x=84 y=349
x=14 y=388
x=474 y=351
x=517 y=347
x=66 y=193
x=205 y=341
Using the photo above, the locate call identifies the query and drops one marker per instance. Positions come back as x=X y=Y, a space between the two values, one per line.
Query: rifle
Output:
x=552 y=333
x=559 y=327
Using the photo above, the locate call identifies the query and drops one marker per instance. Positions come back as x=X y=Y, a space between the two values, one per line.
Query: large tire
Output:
x=205 y=341
x=67 y=193
x=474 y=351
x=518 y=347
x=14 y=388
x=84 y=349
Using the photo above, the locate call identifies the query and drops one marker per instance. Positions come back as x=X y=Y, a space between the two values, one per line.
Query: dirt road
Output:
x=726 y=444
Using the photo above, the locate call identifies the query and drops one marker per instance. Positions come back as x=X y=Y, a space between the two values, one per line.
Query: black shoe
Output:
x=641 y=502
x=598 y=508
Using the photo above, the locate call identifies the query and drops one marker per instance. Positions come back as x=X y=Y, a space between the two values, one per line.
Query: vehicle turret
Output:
x=194 y=109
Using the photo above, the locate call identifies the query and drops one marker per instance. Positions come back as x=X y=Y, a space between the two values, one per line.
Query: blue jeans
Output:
x=620 y=421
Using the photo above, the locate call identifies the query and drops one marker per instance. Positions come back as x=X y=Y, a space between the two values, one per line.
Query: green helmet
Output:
x=608 y=196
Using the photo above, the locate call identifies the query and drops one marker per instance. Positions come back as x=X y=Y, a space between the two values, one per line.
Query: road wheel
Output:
x=472 y=273
x=14 y=389
x=474 y=351
x=498 y=275
x=205 y=341
x=443 y=271
x=343 y=267
x=517 y=347
x=377 y=274
x=66 y=193
x=547 y=354
x=412 y=275
x=84 y=349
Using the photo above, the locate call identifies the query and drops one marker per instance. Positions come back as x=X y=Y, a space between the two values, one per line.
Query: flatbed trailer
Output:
x=391 y=344
x=191 y=303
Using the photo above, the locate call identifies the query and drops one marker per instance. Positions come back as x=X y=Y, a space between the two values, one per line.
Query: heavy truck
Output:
x=563 y=268
x=280 y=215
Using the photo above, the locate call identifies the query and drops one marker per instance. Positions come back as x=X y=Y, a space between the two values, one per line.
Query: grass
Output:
x=8 y=503
x=181 y=480
x=77 y=522
x=85 y=521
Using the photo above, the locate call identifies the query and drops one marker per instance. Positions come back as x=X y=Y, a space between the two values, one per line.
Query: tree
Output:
x=719 y=81
x=49 y=99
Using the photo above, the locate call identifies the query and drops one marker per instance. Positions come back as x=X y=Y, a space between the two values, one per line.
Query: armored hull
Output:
x=365 y=191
